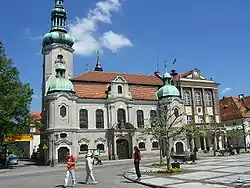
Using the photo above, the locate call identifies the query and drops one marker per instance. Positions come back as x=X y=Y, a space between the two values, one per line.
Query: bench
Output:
x=182 y=157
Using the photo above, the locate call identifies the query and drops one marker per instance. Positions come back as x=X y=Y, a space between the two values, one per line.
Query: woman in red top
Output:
x=137 y=159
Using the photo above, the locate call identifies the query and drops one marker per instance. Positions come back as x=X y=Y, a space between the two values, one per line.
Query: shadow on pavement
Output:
x=126 y=182
x=60 y=186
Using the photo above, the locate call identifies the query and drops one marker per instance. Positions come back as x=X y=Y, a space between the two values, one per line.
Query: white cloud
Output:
x=114 y=41
x=84 y=30
x=35 y=97
x=225 y=90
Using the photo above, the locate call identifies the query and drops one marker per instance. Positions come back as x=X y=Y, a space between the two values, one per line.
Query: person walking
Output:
x=71 y=166
x=89 y=168
x=137 y=159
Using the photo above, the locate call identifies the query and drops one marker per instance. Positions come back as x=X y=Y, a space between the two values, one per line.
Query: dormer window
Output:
x=119 y=88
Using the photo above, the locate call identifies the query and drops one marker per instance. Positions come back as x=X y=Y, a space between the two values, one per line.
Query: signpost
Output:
x=19 y=138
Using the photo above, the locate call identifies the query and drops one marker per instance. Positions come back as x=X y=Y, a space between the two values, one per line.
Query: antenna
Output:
x=86 y=67
x=157 y=64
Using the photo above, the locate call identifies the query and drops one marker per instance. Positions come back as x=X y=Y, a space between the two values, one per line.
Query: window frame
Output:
x=155 y=148
x=140 y=119
x=187 y=97
x=198 y=98
x=99 y=118
x=209 y=98
x=103 y=145
x=121 y=113
x=119 y=89
x=63 y=114
x=83 y=151
x=144 y=148
x=83 y=119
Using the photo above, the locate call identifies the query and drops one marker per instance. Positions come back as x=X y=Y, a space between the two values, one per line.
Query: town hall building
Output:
x=109 y=110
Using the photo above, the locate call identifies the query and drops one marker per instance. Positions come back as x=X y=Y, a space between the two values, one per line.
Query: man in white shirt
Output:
x=89 y=168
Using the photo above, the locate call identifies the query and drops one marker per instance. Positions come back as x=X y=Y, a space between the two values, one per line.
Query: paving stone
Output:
x=233 y=179
x=236 y=169
x=206 y=167
x=199 y=175
x=162 y=181
x=197 y=185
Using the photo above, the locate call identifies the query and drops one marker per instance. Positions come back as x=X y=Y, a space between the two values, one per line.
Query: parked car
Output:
x=12 y=160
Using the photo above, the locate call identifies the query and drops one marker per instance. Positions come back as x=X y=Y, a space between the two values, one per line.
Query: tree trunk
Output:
x=191 y=144
x=160 y=144
x=168 y=153
x=215 y=144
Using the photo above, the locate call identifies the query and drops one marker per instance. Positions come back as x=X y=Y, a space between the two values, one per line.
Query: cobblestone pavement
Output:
x=212 y=172
x=108 y=176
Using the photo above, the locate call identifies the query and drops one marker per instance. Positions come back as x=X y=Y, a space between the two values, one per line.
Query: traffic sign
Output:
x=45 y=146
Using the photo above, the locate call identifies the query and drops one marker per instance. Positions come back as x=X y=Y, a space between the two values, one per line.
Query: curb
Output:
x=142 y=183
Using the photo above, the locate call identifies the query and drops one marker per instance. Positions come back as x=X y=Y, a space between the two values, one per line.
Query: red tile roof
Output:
x=233 y=108
x=92 y=91
x=107 y=77
x=36 y=115
x=100 y=91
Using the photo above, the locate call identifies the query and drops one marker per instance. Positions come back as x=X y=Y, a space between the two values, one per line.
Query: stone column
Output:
x=205 y=143
x=215 y=105
x=192 y=144
x=220 y=143
x=204 y=105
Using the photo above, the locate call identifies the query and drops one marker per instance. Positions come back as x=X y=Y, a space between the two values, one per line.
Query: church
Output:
x=109 y=110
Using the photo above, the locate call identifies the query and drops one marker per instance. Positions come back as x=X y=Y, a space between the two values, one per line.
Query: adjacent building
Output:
x=235 y=114
x=108 y=110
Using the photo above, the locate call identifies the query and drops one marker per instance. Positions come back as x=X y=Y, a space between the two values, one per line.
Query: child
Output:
x=71 y=166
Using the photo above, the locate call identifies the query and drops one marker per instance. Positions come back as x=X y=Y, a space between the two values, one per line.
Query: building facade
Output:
x=235 y=114
x=108 y=111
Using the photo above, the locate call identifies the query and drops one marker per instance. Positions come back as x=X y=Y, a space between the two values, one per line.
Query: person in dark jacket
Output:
x=137 y=159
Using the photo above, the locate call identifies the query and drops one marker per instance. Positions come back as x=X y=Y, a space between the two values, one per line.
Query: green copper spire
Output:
x=58 y=17
x=168 y=90
x=58 y=33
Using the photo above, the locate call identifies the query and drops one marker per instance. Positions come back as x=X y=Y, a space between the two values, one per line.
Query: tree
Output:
x=165 y=126
x=192 y=130
x=15 y=98
x=214 y=130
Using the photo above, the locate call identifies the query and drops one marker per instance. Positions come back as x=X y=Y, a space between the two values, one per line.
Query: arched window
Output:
x=187 y=97
x=121 y=117
x=63 y=112
x=209 y=98
x=153 y=114
x=99 y=119
x=84 y=148
x=100 y=147
x=176 y=112
x=140 y=119
x=119 y=88
x=142 y=145
x=83 y=119
x=155 y=145
x=198 y=98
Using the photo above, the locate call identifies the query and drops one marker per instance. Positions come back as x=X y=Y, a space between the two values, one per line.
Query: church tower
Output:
x=56 y=42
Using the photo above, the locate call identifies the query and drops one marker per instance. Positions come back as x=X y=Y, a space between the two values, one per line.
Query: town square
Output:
x=104 y=93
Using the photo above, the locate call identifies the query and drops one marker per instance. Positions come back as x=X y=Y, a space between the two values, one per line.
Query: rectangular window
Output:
x=200 y=119
x=211 y=119
x=189 y=119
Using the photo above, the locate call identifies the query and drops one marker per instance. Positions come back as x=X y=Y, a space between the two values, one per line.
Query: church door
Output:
x=122 y=149
x=62 y=154
x=179 y=148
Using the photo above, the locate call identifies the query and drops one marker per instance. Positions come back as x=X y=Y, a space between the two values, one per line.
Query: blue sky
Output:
x=213 y=36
